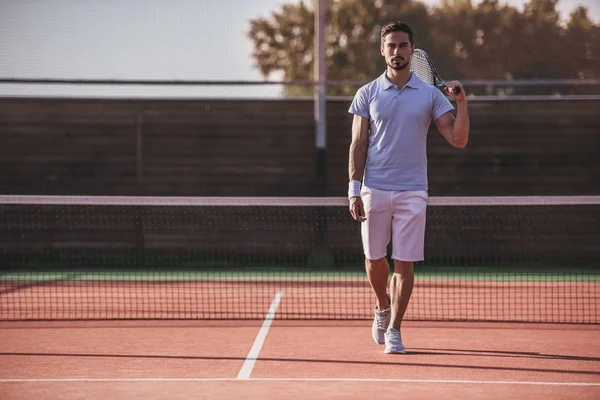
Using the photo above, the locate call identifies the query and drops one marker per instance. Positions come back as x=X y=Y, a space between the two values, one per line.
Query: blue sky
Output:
x=142 y=39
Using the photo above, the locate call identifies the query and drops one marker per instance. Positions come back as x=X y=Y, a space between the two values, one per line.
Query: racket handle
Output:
x=455 y=90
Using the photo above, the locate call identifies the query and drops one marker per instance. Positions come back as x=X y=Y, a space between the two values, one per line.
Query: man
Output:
x=392 y=115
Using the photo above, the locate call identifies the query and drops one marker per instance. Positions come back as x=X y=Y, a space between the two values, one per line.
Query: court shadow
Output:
x=499 y=353
x=395 y=360
x=16 y=285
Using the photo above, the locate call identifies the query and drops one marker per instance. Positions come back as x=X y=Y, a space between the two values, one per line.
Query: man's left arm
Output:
x=455 y=130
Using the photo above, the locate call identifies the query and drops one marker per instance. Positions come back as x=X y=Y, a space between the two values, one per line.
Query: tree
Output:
x=284 y=43
x=583 y=44
x=542 y=42
x=486 y=41
x=476 y=43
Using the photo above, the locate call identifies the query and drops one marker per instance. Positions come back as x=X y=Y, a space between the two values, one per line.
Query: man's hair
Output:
x=397 y=26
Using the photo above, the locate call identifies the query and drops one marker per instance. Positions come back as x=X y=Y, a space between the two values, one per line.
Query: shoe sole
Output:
x=394 y=351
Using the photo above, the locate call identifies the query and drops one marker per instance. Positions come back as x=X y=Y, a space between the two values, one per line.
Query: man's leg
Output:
x=378 y=272
x=408 y=244
x=401 y=286
x=376 y=234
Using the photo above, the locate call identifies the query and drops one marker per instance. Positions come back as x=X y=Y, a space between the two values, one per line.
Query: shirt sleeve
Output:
x=441 y=104
x=360 y=103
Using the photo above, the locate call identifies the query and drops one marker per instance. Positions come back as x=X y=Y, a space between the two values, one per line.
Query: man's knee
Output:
x=403 y=267
x=377 y=263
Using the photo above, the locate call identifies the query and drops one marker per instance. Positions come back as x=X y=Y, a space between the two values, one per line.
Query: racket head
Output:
x=423 y=67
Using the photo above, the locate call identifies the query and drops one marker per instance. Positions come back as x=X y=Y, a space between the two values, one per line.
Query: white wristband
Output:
x=353 y=189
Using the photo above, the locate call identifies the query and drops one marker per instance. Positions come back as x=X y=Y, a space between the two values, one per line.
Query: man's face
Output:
x=397 y=50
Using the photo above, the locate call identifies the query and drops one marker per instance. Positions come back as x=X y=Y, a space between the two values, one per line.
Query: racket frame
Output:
x=437 y=79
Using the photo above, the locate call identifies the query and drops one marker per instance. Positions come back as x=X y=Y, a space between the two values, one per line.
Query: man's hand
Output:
x=462 y=96
x=357 y=209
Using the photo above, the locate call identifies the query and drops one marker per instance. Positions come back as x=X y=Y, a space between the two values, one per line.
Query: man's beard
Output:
x=399 y=66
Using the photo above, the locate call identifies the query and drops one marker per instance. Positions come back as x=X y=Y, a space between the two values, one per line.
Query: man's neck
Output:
x=398 y=77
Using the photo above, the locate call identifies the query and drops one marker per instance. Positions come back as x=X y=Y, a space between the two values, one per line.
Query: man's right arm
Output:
x=358 y=148
x=356 y=164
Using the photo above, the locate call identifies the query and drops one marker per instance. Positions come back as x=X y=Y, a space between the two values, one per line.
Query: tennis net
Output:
x=521 y=259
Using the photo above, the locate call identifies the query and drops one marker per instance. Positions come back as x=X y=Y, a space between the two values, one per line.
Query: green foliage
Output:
x=475 y=42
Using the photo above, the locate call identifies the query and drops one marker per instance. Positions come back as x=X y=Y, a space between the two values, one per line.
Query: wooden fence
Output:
x=209 y=147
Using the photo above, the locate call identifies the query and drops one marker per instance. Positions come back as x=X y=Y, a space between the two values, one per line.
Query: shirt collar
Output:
x=385 y=83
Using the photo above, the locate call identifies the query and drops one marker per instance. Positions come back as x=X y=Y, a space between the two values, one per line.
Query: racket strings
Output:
x=420 y=66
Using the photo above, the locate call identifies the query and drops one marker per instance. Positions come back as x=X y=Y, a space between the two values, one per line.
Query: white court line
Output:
x=246 y=369
x=347 y=380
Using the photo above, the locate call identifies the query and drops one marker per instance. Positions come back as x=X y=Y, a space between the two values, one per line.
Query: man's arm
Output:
x=356 y=164
x=455 y=130
x=358 y=148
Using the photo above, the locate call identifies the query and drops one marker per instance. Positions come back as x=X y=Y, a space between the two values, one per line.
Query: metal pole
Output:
x=321 y=256
x=320 y=73
x=138 y=220
x=139 y=146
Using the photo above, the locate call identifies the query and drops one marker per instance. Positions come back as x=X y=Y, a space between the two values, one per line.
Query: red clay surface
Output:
x=298 y=360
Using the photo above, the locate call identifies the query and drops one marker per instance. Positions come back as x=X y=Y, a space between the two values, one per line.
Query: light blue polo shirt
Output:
x=399 y=121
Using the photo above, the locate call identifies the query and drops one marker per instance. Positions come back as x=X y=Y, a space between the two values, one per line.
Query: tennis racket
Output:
x=422 y=65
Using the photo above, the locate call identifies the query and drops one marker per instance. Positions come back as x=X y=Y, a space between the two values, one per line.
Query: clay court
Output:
x=281 y=355
x=296 y=360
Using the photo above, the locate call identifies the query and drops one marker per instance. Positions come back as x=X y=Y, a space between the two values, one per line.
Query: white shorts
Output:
x=395 y=215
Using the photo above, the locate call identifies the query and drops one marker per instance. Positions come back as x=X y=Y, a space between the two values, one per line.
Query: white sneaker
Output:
x=393 y=342
x=381 y=323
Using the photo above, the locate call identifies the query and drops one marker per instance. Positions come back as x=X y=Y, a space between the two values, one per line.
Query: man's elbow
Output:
x=460 y=144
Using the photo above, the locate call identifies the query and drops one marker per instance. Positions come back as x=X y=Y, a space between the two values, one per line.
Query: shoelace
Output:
x=394 y=337
x=383 y=322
